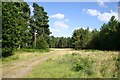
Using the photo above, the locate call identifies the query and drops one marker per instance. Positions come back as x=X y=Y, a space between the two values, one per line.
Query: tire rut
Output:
x=22 y=68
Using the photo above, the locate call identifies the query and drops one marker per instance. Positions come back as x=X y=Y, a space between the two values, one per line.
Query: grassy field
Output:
x=79 y=64
x=61 y=63
x=23 y=54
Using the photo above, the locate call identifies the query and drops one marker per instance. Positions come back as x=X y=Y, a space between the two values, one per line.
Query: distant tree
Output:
x=108 y=35
x=52 y=42
x=106 y=39
x=118 y=38
x=60 y=42
x=69 y=42
x=81 y=38
x=95 y=42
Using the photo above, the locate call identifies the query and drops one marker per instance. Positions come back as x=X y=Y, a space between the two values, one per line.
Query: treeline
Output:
x=107 y=38
x=60 y=42
x=20 y=30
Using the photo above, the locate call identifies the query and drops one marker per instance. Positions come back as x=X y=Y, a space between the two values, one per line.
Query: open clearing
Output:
x=57 y=63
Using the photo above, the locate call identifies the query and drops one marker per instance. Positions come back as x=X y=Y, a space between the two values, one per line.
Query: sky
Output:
x=65 y=17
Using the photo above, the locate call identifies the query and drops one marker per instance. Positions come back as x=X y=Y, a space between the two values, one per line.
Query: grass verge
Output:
x=22 y=54
x=76 y=65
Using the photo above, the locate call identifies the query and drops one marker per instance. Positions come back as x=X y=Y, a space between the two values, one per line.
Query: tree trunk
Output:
x=19 y=46
x=34 y=40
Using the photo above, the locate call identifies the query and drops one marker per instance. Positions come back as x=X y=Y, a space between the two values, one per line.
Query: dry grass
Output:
x=56 y=64
x=104 y=65
x=105 y=61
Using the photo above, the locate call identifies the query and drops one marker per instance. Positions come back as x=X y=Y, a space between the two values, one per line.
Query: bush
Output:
x=84 y=65
x=7 y=52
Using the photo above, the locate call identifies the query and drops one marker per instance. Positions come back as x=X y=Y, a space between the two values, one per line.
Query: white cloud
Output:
x=101 y=16
x=106 y=16
x=31 y=9
x=61 y=24
x=101 y=3
x=58 y=16
x=92 y=12
x=55 y=30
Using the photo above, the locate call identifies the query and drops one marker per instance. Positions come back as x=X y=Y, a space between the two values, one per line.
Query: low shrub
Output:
x=84 y=65
x=7 y=52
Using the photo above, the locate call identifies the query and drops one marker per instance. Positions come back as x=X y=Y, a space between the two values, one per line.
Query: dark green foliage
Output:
x=39 y=27
x=82 y=64
x=81 y=38
x=105 y=39
x=6 y=51
x=69 y=42
x=60 y=42
x=19 y=30
x=42 y=44
x=52 y=41
x=15 y=18
x=0 y=21
x=108 y=35
x=95 y=42
x=78 y=64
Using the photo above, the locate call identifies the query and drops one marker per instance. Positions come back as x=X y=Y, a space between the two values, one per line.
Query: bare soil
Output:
x=18 y=69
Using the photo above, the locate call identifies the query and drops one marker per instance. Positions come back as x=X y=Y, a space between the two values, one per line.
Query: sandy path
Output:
x=20 y=69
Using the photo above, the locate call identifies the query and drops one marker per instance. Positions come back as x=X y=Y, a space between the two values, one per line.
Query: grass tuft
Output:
x=20 y=54
x=77 y=65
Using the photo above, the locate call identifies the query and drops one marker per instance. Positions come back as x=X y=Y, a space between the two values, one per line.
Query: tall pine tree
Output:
x=40 y=28
x=15 y=18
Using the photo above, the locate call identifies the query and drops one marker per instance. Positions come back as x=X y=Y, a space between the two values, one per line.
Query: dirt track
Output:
x=20 y=69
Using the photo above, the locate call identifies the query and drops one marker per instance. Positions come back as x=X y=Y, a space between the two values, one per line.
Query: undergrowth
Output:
x=74 y=66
